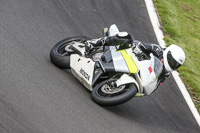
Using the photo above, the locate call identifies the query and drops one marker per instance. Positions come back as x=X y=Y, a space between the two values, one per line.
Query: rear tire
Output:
x=59 y=56
x=106 y=99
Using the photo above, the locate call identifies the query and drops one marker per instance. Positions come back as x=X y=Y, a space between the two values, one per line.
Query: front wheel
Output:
x=60 y=53
x=104 y=94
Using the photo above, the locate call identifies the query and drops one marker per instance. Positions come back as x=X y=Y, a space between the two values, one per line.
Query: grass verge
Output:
x=180 y=21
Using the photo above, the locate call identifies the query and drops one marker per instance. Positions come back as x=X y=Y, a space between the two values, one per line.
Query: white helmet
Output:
x=174 y=57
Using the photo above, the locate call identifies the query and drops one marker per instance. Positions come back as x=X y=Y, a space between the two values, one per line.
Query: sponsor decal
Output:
x=150 y=69
x=85 y=75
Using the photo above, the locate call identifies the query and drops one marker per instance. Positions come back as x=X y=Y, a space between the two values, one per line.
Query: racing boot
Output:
x=93 y=44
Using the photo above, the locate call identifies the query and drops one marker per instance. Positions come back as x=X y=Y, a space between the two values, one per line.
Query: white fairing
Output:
x=125 y=79
x=146 y=79
x=148 y=76
x=83 y=69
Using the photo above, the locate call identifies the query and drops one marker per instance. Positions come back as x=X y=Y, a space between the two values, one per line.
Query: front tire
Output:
x=59 y=56
x=124 y=94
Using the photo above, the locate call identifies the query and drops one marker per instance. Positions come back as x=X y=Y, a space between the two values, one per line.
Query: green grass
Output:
x=180 y=21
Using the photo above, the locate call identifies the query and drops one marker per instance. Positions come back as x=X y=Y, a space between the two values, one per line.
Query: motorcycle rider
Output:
x=171 y=58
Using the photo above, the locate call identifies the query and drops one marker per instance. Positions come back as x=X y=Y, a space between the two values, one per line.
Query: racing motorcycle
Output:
x=113 y=76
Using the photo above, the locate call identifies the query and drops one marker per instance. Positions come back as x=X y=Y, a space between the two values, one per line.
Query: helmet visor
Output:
x=172 y=62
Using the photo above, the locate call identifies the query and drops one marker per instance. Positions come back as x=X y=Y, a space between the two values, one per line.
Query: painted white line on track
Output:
x=159 y=34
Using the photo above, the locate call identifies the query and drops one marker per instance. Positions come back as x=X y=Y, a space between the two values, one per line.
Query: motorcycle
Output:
x=113 y=76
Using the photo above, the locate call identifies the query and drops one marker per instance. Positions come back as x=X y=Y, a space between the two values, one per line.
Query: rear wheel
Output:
x=60 y=53
x=105 y=94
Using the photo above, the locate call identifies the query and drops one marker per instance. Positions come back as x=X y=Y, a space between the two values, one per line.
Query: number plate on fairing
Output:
x=83 y=69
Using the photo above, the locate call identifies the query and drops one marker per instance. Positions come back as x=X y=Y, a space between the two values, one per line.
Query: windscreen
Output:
x=158 y=67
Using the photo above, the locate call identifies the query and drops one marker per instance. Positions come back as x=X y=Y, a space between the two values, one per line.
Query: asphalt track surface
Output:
x=37 y=97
